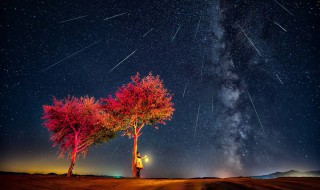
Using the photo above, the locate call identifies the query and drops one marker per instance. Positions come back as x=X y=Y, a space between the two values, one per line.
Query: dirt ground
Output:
x=25 y=181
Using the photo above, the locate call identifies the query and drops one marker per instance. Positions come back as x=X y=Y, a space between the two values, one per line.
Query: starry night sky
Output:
x=244 y=74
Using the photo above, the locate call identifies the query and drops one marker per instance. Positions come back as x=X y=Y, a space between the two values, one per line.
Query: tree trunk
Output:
x=134 y=153
x=74 y=153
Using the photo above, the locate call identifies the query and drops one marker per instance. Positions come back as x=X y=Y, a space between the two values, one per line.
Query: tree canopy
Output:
x=75 y=124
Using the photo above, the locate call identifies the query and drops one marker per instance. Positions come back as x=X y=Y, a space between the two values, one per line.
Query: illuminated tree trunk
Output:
x=134 y=153
x=74 y=155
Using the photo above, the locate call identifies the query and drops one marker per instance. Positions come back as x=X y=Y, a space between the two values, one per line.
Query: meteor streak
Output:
x=115 y=151
x=122 y=61
x=201 y=68
x=283 y=7
x=195 y=127
x=114 y=16
x=184 y=91
x=212 y=104
x=176 y=33
x=147 y=32
x=70 y=56
x=73 y=19
x=255 y=111
x=280 y=26
x=279 y=79
x=249 y=40
x=198 y=26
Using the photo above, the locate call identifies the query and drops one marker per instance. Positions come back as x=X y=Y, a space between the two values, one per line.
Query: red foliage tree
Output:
x=139 y=103
x=75 y=124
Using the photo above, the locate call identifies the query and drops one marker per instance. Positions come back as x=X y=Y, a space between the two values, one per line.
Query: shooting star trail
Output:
x=280 y=26
x=176 y=33
x=201 y=68
x=113 y=153
x=212 y=104
x=249 y=40
x=72 y=19
x=114 y=16
x=279 y=79
x=198 y=26
x=256 y=111
x=147 y=32
x=184 y=91
x=71 y=55
x=122 y=61
x=283 y=7
x=195 y=127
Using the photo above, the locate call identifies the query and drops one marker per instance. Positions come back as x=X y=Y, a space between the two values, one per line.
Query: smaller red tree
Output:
x=139 y=103
x=75 y=124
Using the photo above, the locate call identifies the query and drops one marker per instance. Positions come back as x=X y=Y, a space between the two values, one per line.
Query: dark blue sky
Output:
x=212 y=55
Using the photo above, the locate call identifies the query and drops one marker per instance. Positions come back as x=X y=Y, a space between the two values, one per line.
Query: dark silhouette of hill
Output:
x=290 y=173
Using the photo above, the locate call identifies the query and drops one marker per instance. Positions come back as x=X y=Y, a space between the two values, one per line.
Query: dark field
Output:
x=26 y=181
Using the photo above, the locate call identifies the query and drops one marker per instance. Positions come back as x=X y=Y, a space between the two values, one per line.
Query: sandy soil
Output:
x=25 y=181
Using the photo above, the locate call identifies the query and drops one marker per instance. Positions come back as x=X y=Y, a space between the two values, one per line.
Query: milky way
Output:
x=232 y=110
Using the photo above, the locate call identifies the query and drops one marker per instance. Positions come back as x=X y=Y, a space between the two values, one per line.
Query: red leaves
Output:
x=141 y=102
x=73 y=123
x=77 y=123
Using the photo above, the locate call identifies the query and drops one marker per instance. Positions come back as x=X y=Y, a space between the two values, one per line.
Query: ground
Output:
x=26 y=181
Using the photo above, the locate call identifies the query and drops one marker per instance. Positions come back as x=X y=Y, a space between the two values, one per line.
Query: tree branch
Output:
x=139 y=128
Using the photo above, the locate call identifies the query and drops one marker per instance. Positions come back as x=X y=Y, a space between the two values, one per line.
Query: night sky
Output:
x=244 y=74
